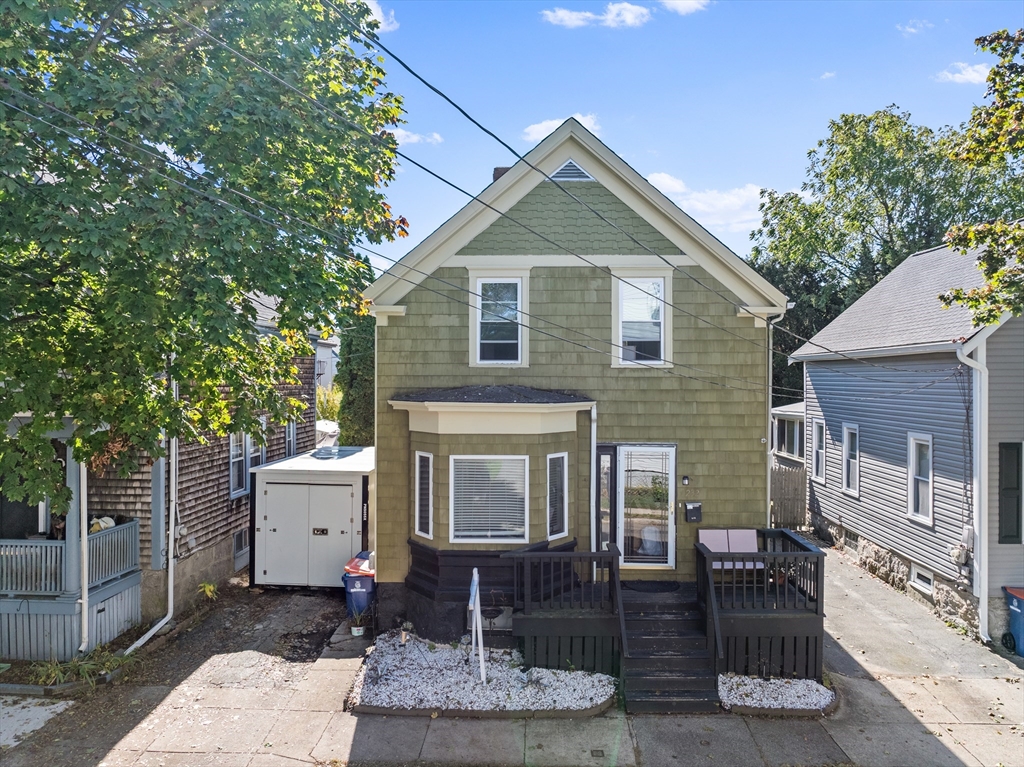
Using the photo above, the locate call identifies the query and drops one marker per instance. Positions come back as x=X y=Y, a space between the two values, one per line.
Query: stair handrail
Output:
x=711 y=594
x=616 y=591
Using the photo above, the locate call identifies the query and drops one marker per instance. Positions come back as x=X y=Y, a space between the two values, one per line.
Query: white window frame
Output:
x=240 y=439
x=291 y=438
x=476 y=278
x=785 y=453
x=915 y=570
x=914 y=439
x=850 y=428
x=629 y=274
x=565 y=496
x=451 y=498
x=815 y=423
x=429 y=534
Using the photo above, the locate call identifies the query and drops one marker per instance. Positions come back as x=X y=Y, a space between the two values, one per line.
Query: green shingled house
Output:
x=554 y=380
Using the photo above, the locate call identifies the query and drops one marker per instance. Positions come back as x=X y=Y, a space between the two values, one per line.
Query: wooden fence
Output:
x=789 y=494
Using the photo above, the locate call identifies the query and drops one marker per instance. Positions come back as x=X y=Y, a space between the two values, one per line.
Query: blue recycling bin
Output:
x=1013 y=640
x=360 y=591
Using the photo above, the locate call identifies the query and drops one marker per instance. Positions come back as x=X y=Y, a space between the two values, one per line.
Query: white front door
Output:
x=646 y=503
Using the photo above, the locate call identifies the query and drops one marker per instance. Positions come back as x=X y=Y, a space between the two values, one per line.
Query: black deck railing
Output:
x=562 y=579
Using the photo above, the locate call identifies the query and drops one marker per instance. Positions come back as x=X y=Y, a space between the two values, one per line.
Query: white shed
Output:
x=309 y=515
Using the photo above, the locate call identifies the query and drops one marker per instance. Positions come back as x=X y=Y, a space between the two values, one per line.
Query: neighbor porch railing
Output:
x=113 y=552
x=37 y=567
x=31 y=567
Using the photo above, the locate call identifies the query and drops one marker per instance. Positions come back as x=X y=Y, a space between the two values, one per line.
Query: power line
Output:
x=375 y=41
x=290 y=217
x=279 y=227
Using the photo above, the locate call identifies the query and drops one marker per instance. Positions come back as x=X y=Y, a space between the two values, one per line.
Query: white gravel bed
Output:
x=773 y=693
x=429 y=676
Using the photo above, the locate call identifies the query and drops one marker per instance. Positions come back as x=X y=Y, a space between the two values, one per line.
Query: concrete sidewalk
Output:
x=912 y=692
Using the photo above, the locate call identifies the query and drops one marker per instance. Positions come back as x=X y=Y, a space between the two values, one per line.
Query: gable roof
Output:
x=902 y=313
x=571 y=141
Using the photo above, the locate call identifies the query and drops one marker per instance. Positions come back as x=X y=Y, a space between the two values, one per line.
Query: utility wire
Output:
x=374 y=40
x=280 y=228
x=185 y=169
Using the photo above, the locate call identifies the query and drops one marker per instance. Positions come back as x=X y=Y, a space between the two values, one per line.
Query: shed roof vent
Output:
x=571 y=172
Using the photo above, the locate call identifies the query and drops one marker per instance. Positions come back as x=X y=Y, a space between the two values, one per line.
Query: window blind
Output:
x=556 y=495
x=489 y=498
x=423 y=493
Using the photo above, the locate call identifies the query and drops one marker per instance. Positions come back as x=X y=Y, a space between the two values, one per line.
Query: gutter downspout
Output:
x=980 y=436
x=83 y=539
x=172 y=538
x=593 y=480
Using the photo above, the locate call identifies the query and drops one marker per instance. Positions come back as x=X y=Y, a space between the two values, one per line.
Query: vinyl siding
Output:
x=886 y=409
x=718 y=431
x=1005 y=358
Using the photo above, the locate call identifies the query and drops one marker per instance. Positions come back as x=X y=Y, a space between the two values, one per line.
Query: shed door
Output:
x=286 y=532
x=333 y=538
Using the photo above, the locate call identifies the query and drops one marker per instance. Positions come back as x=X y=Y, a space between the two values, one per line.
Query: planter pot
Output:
x=358 y=631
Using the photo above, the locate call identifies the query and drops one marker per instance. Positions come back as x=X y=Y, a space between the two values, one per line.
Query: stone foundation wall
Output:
x=954 y=605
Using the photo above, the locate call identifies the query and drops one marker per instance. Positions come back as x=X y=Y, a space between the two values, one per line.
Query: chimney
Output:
x=498 y=173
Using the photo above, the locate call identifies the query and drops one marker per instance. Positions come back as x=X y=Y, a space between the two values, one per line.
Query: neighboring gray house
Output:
x=914 y=439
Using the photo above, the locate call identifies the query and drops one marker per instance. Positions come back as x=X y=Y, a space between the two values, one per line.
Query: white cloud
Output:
x=914 y=26
x=965 y=73
x=408 y=137
x=827 y=76
x=729 y=211
x=684 y=7
x=387 y=21
x=537 y=131
x=615 y=15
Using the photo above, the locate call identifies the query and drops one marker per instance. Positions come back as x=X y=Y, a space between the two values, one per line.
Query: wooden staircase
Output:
x=670 y=668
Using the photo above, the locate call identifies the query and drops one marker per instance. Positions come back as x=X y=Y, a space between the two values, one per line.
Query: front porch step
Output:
x=664 y=644
x=663 y=615
x=682 y=627
x=644 y=680
x=681 y=664
x=666 y=702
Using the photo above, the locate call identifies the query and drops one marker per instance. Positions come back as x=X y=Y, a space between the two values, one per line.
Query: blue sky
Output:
x=711 y=101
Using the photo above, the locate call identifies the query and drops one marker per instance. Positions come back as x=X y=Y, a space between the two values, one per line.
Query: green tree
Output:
x=137 y=159
x=878 y=188
x=355 y=378
x=995 y=137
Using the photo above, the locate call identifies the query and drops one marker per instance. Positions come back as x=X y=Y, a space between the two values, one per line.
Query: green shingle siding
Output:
x=550 y=212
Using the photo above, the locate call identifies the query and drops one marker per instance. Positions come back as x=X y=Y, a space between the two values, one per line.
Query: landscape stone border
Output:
x=463 y=713
x=56 y=690
x=789 y=713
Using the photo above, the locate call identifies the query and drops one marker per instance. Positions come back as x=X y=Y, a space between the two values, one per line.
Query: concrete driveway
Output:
x=913 y=692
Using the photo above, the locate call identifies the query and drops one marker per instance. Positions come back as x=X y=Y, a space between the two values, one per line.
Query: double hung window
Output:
x=424 y=495
x=499 y=331
x=919 y=477
x=851 y=459
x=789 y=437
x=641 y=326
x=290 y=438
x=558 y=495
x=818 y=450
x=489 y=498
x=245 y=454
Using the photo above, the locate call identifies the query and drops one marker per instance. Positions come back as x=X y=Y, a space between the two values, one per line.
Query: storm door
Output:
x=646 y=498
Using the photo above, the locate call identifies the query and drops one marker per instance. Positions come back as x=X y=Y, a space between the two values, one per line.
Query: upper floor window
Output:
x=818 y=450
x=789 y=437
x=919 y=477
x=851 y=459
x=641 y=317
x=499 y=331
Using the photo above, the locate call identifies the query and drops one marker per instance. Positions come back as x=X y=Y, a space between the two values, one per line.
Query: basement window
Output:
x=921 y=579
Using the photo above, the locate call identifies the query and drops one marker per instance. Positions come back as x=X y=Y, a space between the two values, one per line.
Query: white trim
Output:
x=500 y=264
x=518 y=277
x=429 y=535
x=823 y=479
x=451 y=499
x=491 y=417
x=846 y=485
x=242 y=438
x=572 y=140
x=620 y=492
x=979 y=388
x=565 y=497
x=291 y=438
x=383 y=313
x=667 y=316
x=916 y=570
x=914 y=439
x=775 y=438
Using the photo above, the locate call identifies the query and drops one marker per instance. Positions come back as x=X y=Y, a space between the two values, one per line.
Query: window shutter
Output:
x=556 y=495
x=424 y=499
x=1010 y=491
x=489 y=498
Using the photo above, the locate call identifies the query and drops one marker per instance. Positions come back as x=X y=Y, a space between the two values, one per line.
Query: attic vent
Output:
x=571 y=172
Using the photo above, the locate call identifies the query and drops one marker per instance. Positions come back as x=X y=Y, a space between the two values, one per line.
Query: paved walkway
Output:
x=912 y=692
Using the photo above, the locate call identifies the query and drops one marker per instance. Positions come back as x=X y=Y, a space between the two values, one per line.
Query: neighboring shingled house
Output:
x=913 y=439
